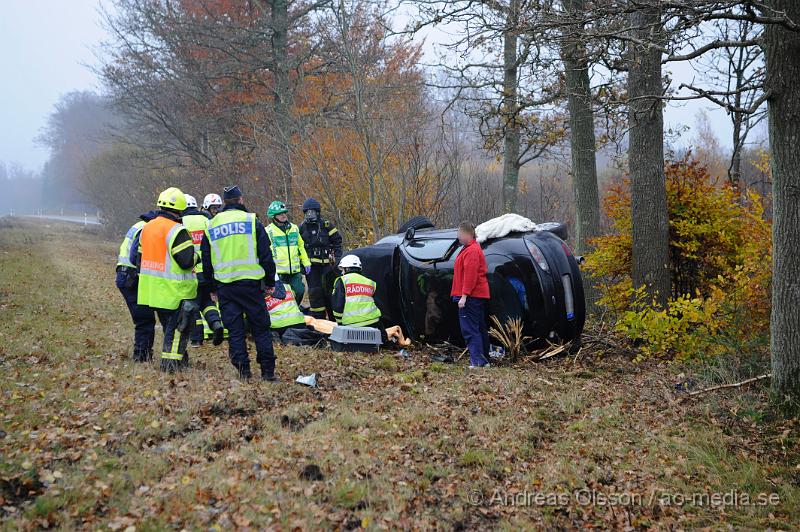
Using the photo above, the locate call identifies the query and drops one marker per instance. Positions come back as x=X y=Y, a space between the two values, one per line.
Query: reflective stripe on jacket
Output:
x=360 y=309
x=284 y=312
x=232 y=239
x=288 y=249
x=123 y=258
x=196 y=224
x=162 y=282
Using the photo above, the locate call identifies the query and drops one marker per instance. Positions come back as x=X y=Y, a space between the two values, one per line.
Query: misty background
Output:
x=55 y=114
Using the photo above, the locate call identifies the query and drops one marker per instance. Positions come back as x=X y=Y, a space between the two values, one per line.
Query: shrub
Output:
x=720 y=263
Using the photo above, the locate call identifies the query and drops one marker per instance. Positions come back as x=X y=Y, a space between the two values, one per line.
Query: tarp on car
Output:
x=502 y=226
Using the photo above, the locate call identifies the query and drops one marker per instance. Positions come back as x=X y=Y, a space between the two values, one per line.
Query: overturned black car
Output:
x=533 y=276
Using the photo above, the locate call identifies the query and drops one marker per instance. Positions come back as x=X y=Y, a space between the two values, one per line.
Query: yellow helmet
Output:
x=172 y=198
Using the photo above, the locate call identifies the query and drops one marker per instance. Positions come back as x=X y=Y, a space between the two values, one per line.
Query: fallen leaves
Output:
x=120 y=446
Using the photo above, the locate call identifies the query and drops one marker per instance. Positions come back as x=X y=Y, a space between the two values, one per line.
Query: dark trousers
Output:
x=144 y=324
x=208 y=311
x=174 y=355
x=198 y=330
x=475 y=330
x=235 y=300
x=295 y=280
x=277 y=334
x=318 y=298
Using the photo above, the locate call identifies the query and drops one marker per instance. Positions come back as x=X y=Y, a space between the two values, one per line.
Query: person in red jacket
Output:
x=471 y=291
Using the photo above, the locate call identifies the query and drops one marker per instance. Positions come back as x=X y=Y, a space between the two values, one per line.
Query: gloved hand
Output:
x=308 y=270
x=187 y=314
x=279 y=292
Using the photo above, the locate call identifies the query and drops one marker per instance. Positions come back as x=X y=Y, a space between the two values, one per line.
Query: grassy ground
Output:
x=90 y=440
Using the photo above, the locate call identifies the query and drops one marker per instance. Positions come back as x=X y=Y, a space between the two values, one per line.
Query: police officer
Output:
x=324 y=249
x=166 y=280
x=144 y=319
x=238 y=266
x=288 y=249
x=353 y=298
x=196 y=222
x=212 y=204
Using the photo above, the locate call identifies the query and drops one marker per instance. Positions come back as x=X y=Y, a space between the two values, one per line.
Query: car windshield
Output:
x=429 y=249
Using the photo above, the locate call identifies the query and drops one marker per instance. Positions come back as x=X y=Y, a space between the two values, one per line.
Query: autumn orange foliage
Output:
x=720 y=259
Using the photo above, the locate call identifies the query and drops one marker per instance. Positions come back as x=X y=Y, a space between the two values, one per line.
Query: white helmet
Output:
x=350 y=261
x=190 y=201
x=211 y=199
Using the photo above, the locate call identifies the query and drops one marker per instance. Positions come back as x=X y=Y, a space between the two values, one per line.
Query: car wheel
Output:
x=417 y=222
x=557 y=228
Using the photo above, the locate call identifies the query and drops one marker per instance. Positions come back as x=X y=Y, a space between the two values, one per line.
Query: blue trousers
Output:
x=144 y=323
x=474 y=330
x=235 y=300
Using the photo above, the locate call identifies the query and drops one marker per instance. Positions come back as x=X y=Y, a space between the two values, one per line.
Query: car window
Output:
x=429 y=249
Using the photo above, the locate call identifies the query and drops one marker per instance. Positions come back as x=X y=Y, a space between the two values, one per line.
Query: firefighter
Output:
x=212 y=204
x=167 y=282
x=144 y=319
x=284 y=312
x=196 y=222
x=288 y=249
x=353 y=298
x=238 y=267
x=323 y=244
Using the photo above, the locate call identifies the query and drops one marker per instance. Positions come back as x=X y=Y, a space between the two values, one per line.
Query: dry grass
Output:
x=90 y=440
x=510 y=336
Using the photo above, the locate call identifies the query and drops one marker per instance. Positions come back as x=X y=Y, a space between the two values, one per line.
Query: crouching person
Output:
x=284 y=312
x=353 y=299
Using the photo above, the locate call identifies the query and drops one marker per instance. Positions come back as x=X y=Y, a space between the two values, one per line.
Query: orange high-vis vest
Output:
x=162 y=282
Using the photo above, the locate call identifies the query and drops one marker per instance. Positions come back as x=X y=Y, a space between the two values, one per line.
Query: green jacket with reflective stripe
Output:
x=288 y=249
x=231 y=236
x=123 y=258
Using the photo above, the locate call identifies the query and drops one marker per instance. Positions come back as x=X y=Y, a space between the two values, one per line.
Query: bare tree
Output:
x=496 y=74
x=735 y=76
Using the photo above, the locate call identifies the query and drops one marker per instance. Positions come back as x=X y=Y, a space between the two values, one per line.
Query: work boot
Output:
x=268 y=373
x=196 y=344
x=244 y=372
x=169 y=365
x=218 y=330
x=142 y=354
x=184 y=362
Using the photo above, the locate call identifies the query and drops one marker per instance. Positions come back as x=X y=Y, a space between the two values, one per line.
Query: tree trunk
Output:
x=510 y=109
x=582 y=140
x=283 y=97
x=735 y=171
x=782 y=50
x=646 y=156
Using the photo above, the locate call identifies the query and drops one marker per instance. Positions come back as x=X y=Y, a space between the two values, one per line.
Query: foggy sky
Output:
x=45 y=46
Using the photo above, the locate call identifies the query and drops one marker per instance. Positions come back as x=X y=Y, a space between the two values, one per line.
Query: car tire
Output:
x=417 y=222
x=557 y=228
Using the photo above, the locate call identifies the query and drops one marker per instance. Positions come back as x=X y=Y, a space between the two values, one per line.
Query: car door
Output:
x=426 y=277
